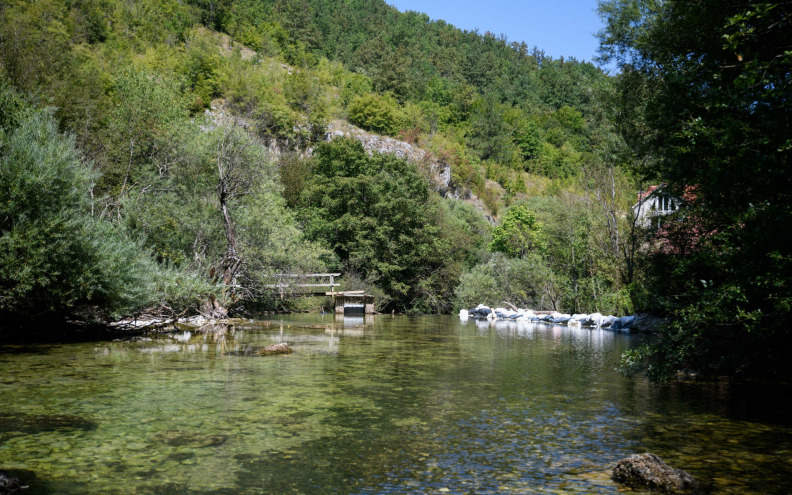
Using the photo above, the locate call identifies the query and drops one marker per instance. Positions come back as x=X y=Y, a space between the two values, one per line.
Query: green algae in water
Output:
x=399 y=405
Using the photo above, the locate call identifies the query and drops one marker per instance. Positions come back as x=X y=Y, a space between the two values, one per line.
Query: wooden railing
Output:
x=288 y=288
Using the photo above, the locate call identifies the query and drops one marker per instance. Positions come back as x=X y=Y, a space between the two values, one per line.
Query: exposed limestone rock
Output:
x=435 y=170
x=439 y=173
x=649 y=471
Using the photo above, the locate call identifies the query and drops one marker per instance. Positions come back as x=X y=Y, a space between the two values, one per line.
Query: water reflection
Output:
x=374 y=404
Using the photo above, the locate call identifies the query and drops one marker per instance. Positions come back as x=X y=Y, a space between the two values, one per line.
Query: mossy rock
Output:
x=270 y=350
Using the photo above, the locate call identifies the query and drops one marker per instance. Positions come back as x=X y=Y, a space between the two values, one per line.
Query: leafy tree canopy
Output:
x=717 y=78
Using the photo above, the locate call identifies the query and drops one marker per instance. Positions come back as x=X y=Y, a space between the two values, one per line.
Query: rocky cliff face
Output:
x=438 y=173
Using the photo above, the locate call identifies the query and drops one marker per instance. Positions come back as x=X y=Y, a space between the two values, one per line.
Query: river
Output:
x=368 y=406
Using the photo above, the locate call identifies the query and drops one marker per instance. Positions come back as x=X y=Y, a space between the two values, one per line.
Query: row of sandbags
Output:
x=596 y=320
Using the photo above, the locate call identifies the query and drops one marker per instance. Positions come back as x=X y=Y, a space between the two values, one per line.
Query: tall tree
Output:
x=720 y=76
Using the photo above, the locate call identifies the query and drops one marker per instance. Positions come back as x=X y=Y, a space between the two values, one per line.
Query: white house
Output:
x=653 y=204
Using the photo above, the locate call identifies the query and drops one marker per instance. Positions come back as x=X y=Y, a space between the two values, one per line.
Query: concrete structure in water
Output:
x=355 y=302
x=348 y=303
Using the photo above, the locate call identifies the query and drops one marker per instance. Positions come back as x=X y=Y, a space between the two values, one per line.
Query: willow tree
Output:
x=56 y=259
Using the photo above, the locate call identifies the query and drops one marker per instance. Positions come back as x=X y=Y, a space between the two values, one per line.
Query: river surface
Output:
x=382 y=405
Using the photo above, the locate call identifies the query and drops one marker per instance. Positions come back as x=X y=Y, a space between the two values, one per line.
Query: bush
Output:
x=527 y=282
x=374 y=113
x=54 y=256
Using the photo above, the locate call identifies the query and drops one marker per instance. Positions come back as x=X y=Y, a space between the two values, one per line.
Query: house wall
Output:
x=653 y=206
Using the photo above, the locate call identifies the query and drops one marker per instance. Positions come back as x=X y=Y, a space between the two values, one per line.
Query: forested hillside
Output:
x=181 y=150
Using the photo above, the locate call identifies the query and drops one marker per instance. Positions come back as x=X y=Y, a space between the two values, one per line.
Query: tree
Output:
x=218 y=211
x=374 y=113
x=55 y=258
x=140 y=131
x=719 y=75
x=490 y=135
x=380 y=218
x=518 y=234
x=526 y=282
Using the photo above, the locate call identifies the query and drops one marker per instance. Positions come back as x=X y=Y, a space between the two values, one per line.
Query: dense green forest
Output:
x=164 y=157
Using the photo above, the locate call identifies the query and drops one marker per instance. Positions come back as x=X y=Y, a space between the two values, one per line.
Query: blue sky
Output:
x=559 y=27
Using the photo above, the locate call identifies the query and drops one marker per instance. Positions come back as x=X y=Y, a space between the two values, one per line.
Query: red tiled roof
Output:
x=649 y=190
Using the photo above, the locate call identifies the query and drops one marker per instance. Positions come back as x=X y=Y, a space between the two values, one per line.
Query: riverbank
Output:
x=21 y=331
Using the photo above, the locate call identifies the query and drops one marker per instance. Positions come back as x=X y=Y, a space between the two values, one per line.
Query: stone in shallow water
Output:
x=281 y=348
x=648 y=470
x=182 y=456
x=189 y=439
x=18 y=481
x=9 y=484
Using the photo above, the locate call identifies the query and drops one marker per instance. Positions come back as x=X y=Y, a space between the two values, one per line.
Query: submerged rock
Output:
x=176 y=438
x=649 y=471
x=282 y=348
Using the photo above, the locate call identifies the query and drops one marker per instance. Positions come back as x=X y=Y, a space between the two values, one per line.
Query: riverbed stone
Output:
x=176 y=438
x=9 y=485
x=282 y=348
x=649 y=471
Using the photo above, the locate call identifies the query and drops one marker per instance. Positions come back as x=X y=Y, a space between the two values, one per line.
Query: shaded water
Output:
x=382 y=405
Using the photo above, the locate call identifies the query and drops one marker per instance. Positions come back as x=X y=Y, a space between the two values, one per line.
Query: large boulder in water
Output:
x=649 y=471
x=10 y=484
x=607 y=321
x=282 y=348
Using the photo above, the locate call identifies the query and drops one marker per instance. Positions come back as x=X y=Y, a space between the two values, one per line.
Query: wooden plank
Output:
x=306 y=275
x=308 y=294
x=286 y=286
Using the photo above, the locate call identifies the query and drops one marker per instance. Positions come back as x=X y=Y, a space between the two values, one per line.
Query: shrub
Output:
x=374 y=113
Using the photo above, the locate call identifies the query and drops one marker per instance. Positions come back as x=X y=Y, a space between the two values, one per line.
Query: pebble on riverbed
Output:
x=649 y=471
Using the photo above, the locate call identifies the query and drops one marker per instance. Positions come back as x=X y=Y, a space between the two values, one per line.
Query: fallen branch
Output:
x=510 y=306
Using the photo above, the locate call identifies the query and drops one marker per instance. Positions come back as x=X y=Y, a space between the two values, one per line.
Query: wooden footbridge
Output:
x=309 y=284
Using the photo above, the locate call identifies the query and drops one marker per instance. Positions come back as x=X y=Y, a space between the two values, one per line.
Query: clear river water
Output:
x=368 y=406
